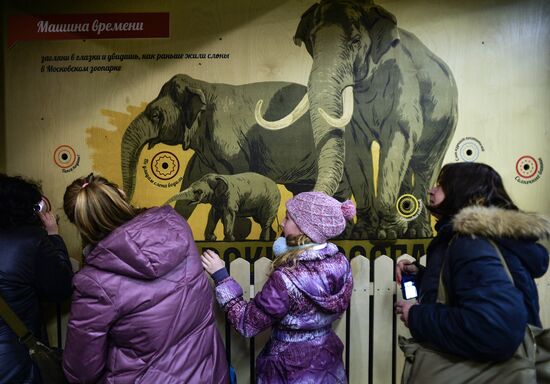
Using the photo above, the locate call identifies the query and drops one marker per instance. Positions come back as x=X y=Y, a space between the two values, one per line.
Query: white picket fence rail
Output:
x=368 y=330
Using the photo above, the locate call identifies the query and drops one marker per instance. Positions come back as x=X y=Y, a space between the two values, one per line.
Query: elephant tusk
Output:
x=347 y=103
x=289 y=119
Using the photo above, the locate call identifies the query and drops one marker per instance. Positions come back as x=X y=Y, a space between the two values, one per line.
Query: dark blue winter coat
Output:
x=486 y=315
x=34 y=267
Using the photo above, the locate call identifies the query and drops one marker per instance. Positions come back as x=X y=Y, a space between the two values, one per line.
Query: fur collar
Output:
x=497 y=222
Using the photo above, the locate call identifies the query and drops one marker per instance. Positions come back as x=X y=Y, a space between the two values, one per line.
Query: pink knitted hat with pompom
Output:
x=319 y=216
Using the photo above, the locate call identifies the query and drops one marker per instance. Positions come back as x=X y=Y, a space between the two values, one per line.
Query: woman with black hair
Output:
x=485 y=315
x=34 y=267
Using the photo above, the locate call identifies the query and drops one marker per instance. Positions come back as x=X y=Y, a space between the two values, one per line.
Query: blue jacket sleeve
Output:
x=486 y=318
x=54 y=270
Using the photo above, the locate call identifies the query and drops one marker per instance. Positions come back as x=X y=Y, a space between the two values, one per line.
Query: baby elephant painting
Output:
x=235 y=196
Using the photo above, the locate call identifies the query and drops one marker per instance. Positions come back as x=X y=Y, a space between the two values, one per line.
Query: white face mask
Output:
x=280 y=246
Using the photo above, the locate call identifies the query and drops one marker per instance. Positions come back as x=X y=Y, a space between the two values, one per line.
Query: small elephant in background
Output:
x=246 y=194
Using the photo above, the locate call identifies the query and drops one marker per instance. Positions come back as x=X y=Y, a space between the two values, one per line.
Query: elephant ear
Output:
x=219 y=185
x=191 y=100
x=304 y=28
x=383 y=31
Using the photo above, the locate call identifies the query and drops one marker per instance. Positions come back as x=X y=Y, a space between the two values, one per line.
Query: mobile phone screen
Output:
x=409 y=290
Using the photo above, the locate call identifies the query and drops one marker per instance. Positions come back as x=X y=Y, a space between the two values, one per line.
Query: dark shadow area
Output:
x=3 y=148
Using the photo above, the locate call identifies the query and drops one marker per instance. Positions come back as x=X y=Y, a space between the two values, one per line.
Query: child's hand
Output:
x=211 y=262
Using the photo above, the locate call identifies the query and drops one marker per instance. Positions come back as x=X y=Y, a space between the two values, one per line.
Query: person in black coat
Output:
x=34 y=267
x=486 y=313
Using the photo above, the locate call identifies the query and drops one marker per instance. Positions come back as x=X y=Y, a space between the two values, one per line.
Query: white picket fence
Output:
x=369 y=328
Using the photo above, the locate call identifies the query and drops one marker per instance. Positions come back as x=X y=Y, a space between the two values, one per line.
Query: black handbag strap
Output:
x=442 y=295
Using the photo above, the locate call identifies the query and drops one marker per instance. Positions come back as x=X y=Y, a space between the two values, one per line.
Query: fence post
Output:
x=261 y=271
x=384 y=289
x=359 y=320
x=240 y=346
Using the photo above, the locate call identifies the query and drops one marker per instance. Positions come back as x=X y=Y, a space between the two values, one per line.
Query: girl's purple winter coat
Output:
x=142 y=310
x=300 y=303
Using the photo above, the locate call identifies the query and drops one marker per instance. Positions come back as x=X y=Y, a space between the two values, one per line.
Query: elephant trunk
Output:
x=139 y=132
x=186 y=194
x=347 y=107
x=331 y=110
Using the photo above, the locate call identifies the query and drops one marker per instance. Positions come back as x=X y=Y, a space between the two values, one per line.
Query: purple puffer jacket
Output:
x=301 y=303
x=142 y=309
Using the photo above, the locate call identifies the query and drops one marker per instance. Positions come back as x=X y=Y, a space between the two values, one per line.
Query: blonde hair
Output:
x=290 y=258
x=97 y=207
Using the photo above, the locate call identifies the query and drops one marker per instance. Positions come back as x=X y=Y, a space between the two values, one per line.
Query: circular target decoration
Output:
x=165 y=165
x=527 y=167
x=469 y=150
x=64 y=156
x=407 y=206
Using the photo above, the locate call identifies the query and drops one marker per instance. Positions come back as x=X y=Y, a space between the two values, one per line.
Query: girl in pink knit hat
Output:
x=309 y=288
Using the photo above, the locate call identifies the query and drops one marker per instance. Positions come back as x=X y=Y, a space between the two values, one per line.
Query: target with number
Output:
x=64 y=156
x=165 y=165
x=527 y=167
x=408 y=206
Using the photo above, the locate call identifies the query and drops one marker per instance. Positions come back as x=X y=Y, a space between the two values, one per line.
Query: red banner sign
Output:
x=88 y=26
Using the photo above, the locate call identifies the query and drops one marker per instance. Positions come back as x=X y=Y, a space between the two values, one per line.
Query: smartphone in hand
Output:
x=43 y=205
x=408 y=287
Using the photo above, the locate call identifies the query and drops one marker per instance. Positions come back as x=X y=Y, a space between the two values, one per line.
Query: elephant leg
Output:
x=267 y=233
x=265 y=217
x=228 y=220
x=395 y=156
x=426 y=171
x=420 y=226
x=195 y=170
x=213 y=218
x=359 y=173
x=411 y=204
x=242 y=228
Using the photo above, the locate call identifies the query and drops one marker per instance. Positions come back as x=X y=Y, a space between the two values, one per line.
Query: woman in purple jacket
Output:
x=142 y=310
x=309 y=288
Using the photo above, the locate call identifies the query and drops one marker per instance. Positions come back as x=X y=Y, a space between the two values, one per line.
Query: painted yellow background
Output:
x=497 y=50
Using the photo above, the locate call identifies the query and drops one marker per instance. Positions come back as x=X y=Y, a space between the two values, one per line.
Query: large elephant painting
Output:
x=372 y=81
x=217 y=122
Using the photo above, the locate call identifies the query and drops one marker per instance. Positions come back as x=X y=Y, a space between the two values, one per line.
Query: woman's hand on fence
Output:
x=402 y=308
x=404 y=267
x=211 y=262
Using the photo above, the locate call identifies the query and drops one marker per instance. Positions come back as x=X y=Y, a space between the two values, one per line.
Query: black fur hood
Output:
x=496 y=222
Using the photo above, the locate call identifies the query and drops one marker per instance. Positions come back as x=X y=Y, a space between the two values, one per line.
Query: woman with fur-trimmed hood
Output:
x=486 y=314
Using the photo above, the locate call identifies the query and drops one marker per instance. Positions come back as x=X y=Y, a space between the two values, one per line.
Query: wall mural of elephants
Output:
x=217 y=122
x=372 y=81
